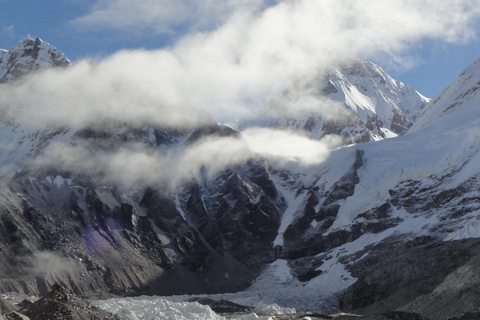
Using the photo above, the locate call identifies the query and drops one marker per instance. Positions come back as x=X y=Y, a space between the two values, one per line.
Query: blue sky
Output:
x=440 y=64
x=96 y=29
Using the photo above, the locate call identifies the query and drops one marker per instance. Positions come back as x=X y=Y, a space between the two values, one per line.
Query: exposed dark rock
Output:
x=456 y=295
x=345 y=187
x=467 y=316
x=395 y=272
x=211 y=131
x=329 y=89
x=60 y=303
x=400 y=123
x=7 y=307
x=309 y=124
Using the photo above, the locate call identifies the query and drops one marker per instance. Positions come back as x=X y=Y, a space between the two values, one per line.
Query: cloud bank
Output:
x=237 y=68
x=237 y=56
x=132 y=165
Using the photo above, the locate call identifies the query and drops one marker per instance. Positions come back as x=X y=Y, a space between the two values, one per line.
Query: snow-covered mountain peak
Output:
x=27 y=56
x=386 y=93
x=355 y=99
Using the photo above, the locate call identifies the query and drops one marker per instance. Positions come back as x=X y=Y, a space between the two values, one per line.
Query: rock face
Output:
x=27 y=56
x=60 y=303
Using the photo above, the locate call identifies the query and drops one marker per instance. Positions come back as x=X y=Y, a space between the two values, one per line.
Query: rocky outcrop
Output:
x=60 y=303
x=457 y=297
x=395 y=273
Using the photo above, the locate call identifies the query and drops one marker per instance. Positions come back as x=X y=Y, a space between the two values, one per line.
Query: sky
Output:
x=98 y=28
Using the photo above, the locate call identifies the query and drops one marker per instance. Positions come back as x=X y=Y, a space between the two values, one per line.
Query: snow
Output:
x=276 y=288
x=293 y=201
x=441 y=152
x=381 y=96
x=471 y=229
x=415 y=156
x=282 y=270
x=456 y=106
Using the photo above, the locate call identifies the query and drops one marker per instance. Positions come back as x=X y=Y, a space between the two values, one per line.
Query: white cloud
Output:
x=126 y=88
x=139 y=166
x=240 y=66
x=237 y=68
x=9 y=31
x=48 y=263
x=134 y=166
x=289 y=146
x=161 y=16
x=252 y=57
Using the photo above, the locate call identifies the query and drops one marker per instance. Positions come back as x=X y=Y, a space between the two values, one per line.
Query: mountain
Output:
x=95 y=236
x=382 y=227
x=27 y=56
x=357 y=100
x=392 y=224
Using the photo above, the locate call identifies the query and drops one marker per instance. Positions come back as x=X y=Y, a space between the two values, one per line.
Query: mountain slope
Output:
x=95 y=235
x=376 y=221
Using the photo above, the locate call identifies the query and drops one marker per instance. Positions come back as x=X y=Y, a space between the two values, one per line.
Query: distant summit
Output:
x=27 y=56
x=355 y=99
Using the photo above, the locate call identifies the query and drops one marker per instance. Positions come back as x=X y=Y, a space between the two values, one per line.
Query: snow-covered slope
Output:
x=3 y=61
x=456 y=106
x=21 y=142
x=27 y=56
x=357 y=100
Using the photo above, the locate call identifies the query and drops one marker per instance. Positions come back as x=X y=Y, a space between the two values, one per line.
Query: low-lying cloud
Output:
x=206 y=157
x=45 y=263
